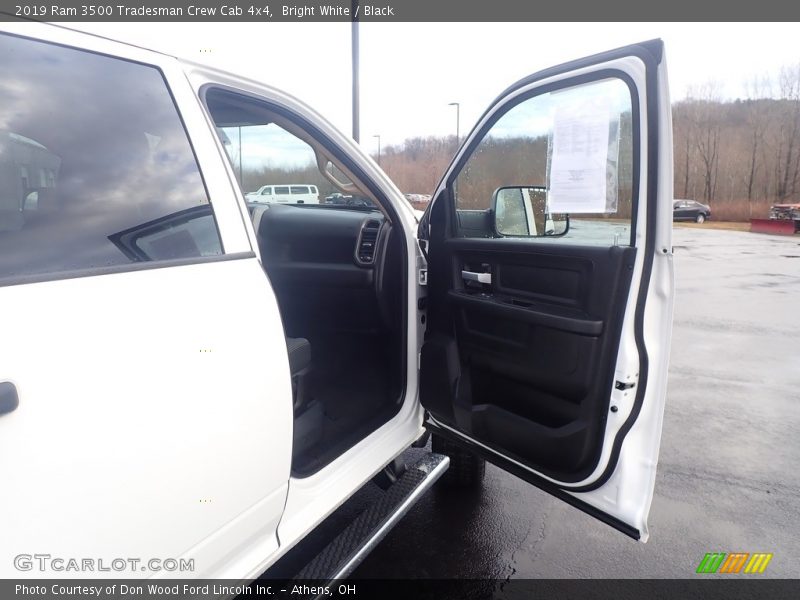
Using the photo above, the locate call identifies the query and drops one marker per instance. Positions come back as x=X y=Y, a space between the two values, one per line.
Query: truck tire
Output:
x=466 y=469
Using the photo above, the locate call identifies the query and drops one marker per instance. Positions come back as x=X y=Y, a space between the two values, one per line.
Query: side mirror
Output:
x=522 y=211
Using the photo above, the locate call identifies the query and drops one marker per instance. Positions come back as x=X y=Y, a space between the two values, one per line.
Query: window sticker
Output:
x=584 y=155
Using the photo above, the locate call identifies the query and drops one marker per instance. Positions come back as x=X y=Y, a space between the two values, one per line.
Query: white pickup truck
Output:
x=190 y=383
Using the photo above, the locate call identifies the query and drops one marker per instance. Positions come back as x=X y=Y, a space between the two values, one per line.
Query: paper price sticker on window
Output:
x=582 y=171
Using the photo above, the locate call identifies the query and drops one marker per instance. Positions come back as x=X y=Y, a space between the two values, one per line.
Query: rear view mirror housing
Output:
x=522 y=211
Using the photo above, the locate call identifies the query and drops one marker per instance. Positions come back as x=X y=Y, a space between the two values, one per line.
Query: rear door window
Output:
x=96 y=169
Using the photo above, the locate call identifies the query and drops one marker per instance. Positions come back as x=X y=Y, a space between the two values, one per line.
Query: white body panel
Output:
x=629 y=492
x=147 y=398
x=129 y=442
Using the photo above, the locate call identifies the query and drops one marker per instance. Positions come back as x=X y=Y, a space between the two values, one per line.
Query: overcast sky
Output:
x=411 y=71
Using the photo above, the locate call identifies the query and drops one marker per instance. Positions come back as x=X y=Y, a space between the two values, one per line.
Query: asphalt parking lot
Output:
x=727 y=478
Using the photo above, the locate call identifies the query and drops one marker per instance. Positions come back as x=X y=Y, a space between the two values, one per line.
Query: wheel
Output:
x=466 y=469
x=701 y=218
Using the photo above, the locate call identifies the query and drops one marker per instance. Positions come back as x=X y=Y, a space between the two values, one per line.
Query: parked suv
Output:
x=187 y=374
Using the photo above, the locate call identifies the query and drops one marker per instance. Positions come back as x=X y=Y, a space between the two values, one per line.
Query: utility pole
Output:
x=241 y=181
x=458 y=125
x=379 y=146
x=458 y=120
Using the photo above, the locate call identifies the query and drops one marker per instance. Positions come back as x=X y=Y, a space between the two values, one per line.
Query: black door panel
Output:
x=525 y=363
x=533 y=302
x=510 y=307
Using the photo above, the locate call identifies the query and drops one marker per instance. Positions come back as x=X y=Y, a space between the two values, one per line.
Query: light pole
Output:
x=378 y=135
x=458 y=119
x=241 y=181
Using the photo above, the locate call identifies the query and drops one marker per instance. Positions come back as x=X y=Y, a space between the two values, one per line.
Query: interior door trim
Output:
x=527 y=475
x=532 y=315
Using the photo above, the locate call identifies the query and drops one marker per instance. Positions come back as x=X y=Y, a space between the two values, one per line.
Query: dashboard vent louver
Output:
x=367 y=241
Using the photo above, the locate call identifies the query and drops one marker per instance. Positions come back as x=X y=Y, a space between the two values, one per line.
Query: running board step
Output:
x=351 y=546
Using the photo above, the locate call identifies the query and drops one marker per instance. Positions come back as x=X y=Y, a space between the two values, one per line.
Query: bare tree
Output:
x=682 y=126
x=757 y=120
x=787 y=165
x=741 y=155
x=705 y=124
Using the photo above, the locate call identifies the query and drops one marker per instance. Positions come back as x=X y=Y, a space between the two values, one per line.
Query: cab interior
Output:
x=338 y=272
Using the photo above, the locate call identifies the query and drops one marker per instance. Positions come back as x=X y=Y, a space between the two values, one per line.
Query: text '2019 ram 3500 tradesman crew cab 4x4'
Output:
x=185 y=373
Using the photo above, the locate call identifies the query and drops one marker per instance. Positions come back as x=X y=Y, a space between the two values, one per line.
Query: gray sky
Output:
x=411 y=71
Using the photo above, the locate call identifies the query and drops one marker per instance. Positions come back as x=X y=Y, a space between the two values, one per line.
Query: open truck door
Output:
x=550 y=283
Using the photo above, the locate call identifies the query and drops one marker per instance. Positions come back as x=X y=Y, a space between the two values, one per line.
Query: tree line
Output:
x=740 y=156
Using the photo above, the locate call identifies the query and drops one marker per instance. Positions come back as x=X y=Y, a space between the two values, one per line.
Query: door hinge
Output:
x=624 y=386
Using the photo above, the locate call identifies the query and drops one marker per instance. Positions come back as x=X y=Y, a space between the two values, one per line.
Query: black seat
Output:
x=308 y=413
x=299 y=355
x=299 y=350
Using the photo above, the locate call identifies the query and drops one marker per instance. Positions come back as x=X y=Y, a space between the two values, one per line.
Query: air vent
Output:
x=367 y=241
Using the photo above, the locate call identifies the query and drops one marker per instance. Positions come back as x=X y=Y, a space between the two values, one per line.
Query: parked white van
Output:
x=293 y=193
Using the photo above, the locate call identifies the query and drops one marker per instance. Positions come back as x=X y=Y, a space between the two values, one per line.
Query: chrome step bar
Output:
x=342 y=555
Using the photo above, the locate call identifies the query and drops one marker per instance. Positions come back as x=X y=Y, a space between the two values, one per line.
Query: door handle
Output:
x=480 y=277
x=9 y=399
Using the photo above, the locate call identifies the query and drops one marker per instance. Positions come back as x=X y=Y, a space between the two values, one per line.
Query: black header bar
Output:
x=697 y=588
x=399 y=11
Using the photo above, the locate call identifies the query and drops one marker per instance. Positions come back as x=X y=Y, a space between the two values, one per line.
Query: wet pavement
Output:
x=728 y=477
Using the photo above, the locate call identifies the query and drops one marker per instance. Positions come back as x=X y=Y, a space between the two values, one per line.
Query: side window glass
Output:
x=273 y=151
x=96 y=169
x=554 y=167
x=266 y=158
